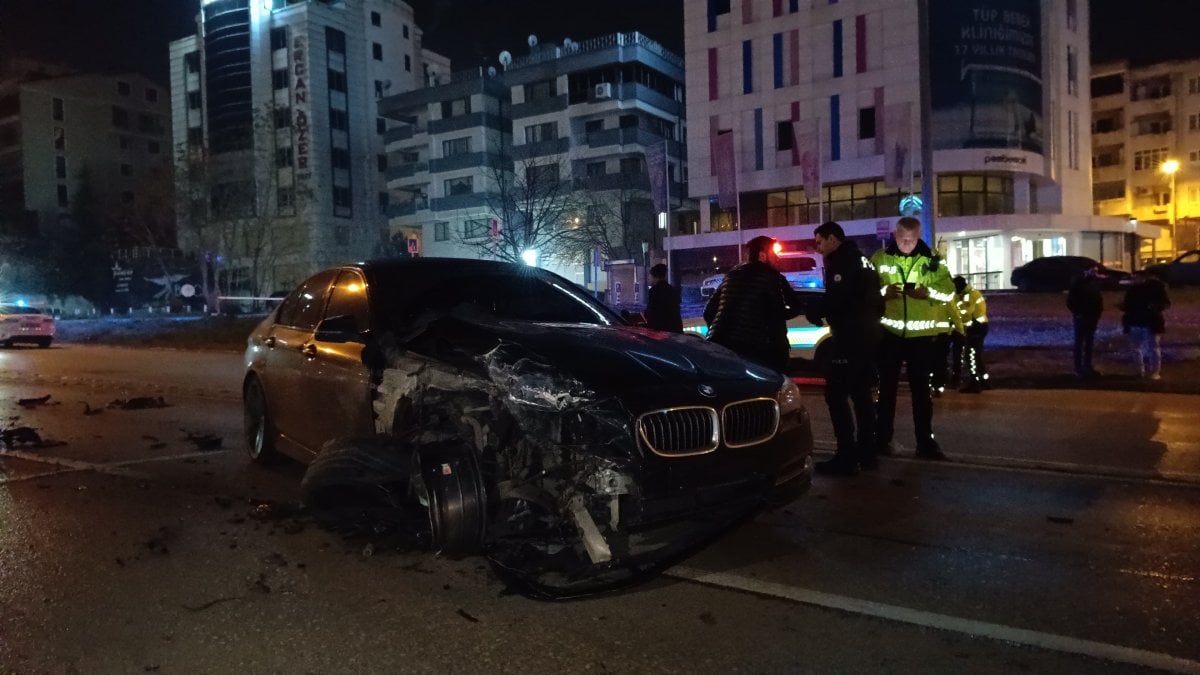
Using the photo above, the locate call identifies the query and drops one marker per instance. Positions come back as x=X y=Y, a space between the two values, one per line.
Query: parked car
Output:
x=1055 y=273
x=803 y=270
x=25 y=324
x=495 y=408
x=1181 y=271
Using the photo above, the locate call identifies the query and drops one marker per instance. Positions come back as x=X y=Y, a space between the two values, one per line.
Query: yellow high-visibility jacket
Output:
x=907 y=316
x=971 y=306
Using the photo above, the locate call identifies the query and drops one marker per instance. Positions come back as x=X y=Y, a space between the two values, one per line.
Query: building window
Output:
x=1110 y=190
x=1072 y=72
x=340 y=157
x=152 y=147
x=596 y=169
x=376 y=51
x=124 y=142
x=335 y=40
x=974 y=195
x=407 y=63
x=126 y=169
x=458 y=186
x=845 y=201
x=120 y=117
x=866 y=123
x=381 y=162
x=283 y=198
x=191 y=62
x=1194 y=156
x=279 y=78
x=461 y=106
x=544 y=89
x=543 y=175
x=283 y=116
x=476 y=228
x=337 y=80
x=123 y=88
x=380 y=125
x=341 y=233
x=56 y=109
x=60 y=166
x=147 y=124
x=441 y=231
x=536 y=133
x=592 y=126
x=1108 y=85
x=341 y=196
x=151 y=94
x=376 y=19
x=1072 y=15
x=783 y=135
x=195 y=135
x=193 y=99
x=457 y=146
x=60 y=138
x=1149 y=160
x=278 y=38
x=631 y=166
x=283 y=157
x=338 y=119
x=1156 y=123
x=62 y=196
x=378 y=88
x=404 y=31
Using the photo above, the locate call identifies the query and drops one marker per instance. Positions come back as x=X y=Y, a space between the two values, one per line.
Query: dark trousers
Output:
x=916 y=354
x=848 y=382
x=1085 y=337
x=942 y=347
x=972 y=354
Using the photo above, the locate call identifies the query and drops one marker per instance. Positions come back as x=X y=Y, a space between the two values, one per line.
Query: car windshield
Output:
x=402 y=295
x=801 y=264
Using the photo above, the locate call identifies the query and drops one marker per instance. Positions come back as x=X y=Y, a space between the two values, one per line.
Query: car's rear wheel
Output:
x=43 y=343
x=259 y=433
x=456 y=498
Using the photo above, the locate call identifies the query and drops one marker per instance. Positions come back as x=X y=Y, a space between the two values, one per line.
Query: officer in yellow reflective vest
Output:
x=972 y=309
x=915 y=286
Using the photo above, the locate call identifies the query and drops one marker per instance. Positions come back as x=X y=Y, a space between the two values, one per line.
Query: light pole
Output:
x=1171 y=167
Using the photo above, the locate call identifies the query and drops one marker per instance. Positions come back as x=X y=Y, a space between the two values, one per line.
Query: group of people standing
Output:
x=1141 y=318
x=885 y=313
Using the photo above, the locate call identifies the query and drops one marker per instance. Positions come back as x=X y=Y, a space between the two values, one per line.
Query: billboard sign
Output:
x=986 y=72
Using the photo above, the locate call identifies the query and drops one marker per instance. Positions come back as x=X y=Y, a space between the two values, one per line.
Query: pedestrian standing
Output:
x=972 y=315
x=749 y=311
x=662 y=302
x=915 y=287
x=945 y=346
x=1086 y=305
x=1143 y=320
x=852 y=306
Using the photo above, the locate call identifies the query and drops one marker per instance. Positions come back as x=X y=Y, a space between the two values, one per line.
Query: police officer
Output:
x=915 y=285
x=852 y=306
x=972 y=311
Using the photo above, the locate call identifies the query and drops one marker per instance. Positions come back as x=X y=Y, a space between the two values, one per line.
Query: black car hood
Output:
x=607 y=359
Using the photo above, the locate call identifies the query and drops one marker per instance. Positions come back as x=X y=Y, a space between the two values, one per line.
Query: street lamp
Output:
x=1171 y=167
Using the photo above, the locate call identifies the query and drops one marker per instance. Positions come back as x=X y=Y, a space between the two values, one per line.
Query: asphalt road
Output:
x=1061 y=539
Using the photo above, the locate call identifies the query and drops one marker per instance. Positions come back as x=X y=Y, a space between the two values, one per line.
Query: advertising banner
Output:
x=806 y=154
x=726 y=170
x=897 y=146
x=986 y=74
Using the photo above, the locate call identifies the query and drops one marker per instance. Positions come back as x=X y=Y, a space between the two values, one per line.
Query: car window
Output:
x=303 y=307
x=349 y=297
x=1190 y=258
x=801 y=264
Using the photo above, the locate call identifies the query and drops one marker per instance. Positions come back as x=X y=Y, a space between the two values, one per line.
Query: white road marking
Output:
x=971 y=627
x=111 y=468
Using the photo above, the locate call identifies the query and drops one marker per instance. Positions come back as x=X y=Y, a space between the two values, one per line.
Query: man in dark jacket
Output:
x=1086 y=305
x=662 y=302
x=852 y=305
x=1143 y=321
x=749 y=311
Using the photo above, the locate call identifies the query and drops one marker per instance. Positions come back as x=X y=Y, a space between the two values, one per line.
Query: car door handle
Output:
x=269 y=341
x=309 y=351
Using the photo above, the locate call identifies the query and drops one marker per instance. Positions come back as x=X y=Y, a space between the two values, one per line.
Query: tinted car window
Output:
x=349 y=297
x=403 y=296
x=303 y=307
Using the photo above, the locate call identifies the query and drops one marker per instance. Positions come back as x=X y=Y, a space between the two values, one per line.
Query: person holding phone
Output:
x=915 y=286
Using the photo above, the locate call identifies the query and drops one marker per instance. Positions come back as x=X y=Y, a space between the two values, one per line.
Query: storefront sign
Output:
x=300 y=128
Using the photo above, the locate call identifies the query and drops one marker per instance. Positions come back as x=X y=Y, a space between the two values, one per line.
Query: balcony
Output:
x=469 y=200
x=464 y=160
x=405 y=170
x=555 y=146
x=538 y=107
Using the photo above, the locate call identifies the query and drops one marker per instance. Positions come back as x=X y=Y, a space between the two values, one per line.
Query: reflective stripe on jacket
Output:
x=971 y=306
x=907 y=316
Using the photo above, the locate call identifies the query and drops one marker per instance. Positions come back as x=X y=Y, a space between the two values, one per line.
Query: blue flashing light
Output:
x=20 y=302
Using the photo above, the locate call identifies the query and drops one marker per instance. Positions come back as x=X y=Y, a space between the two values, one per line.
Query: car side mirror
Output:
x=340 y=328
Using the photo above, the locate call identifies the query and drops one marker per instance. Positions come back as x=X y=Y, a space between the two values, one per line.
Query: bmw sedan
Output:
x=1182 y=271
x=1056 y=272
x=491 y=408
x=25 y=325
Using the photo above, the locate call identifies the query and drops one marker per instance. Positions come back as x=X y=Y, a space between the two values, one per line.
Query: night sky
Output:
x=133 y=34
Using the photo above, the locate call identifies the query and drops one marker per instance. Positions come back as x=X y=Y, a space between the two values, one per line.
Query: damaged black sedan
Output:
x=498 y=409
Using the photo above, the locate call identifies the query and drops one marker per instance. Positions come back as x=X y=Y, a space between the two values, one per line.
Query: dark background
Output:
x=133 y=34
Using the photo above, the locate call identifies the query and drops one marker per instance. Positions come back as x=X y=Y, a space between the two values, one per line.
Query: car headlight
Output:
x=788 y=397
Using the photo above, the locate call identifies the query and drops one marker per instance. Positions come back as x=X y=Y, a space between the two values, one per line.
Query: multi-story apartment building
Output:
x=589 y=121
x=1145 y=119
x=280 y=152
x=58 y=131
x=803 y=111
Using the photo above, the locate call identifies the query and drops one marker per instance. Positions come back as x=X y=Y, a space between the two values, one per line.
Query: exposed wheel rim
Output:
x=256 y=424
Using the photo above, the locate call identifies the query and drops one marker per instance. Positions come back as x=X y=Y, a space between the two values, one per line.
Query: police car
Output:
x=808 y=342
x=804 y=270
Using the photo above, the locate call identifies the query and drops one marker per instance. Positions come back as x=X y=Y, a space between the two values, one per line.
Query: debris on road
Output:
x=1061 y=520
x=20 y=436
x=139 y=403
x=204 y=441
x=35 y=402
x=89 y=410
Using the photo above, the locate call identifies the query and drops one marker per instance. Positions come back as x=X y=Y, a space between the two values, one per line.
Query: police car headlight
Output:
x=788 y=397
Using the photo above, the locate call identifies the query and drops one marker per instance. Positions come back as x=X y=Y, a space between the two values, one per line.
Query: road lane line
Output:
x=1047 y=468
x=970 y=627
x=111 y=468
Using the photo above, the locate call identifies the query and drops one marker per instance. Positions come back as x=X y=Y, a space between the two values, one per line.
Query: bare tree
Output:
x=619 y=215
x=535 y=206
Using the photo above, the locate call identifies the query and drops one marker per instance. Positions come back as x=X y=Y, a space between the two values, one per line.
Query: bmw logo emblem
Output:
x=706 y=391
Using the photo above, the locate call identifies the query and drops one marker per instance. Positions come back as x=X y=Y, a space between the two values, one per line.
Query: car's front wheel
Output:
x=260 y=435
